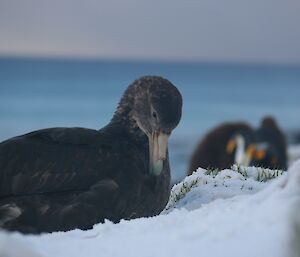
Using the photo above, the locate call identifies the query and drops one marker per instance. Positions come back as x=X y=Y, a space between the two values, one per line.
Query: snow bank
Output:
x=237 y=212
x=211 y=185
x=293 y=153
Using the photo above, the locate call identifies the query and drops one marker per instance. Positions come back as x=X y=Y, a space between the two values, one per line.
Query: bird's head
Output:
x=157 y=106
x=264 y=155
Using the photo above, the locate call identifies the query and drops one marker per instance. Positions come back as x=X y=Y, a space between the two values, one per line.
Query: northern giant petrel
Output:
x=59 y=179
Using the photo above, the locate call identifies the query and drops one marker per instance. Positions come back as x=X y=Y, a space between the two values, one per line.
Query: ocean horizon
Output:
x=38 y=93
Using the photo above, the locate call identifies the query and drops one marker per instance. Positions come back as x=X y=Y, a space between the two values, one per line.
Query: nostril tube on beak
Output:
x=158 y=147
x=162 y=146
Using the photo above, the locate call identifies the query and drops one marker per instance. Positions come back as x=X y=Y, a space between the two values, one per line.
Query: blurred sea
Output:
x=40 y=93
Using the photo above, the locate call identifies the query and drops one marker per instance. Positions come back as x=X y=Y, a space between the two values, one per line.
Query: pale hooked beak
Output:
x=158 y=146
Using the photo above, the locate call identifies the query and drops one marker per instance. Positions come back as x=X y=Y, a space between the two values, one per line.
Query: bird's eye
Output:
x=154 y=115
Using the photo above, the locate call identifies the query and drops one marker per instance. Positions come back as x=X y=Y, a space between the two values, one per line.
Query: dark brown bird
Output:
x=272 y=141
x=60 y=179
x=216 y=149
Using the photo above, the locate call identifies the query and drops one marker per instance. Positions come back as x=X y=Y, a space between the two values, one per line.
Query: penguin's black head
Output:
x=264 y=155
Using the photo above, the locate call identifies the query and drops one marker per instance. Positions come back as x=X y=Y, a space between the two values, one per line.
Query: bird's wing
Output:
x=54 y=160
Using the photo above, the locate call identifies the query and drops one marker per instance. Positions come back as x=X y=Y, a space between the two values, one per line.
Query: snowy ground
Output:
x=293 y=153
x=239 y=212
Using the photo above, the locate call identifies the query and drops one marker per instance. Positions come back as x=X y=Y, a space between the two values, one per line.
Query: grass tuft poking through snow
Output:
x=258 y=173
x=244 y=178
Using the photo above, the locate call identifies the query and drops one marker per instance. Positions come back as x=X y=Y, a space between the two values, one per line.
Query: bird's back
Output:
x=52 y=160
x=55 y=176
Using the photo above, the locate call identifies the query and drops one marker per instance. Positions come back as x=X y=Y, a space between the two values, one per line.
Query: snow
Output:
x=237 y=212
x=293 y=153
x=225 y=184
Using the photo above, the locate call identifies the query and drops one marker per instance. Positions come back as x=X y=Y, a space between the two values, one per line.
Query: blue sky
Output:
x=264 y=31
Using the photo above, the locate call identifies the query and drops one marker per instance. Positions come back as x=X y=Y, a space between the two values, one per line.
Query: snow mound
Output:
x=209 y=185
x=236 y=212
x=293 y=153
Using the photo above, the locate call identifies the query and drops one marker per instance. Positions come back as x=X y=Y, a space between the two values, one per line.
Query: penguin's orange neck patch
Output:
x=230 y=146
x=260 y=154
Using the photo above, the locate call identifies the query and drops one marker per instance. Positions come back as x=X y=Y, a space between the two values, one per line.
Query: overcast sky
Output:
x=204 y=30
